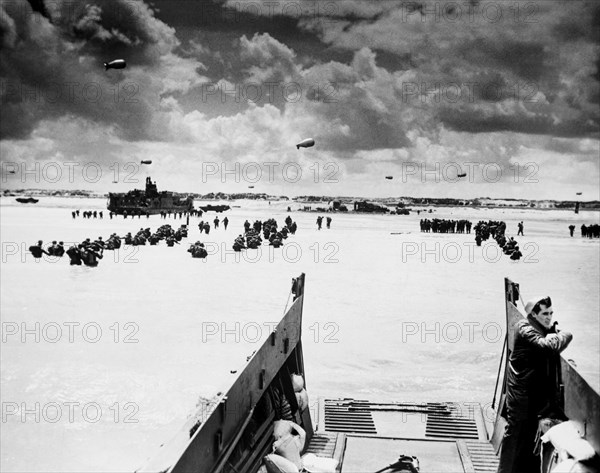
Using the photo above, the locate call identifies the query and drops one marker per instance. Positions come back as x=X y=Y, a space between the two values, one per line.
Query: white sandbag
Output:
x=565 y=466
x=565 y=436
x=289 y=441
x=282 y=428
x=302 y=398
x=277 y=464
x=289 y=448
x=315 y=464
x=572 y=466
x=297 y=382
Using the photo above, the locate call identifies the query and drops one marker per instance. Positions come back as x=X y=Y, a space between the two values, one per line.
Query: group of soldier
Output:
x=589 y=231
x=197 y=250
x=269 y=228
x=438 y=225
x=90 y=252
x=100 y=214
x=88 y=214
x=56 y=249
x=164 y=232
x=495 y=229
x=191 y=213
x=205 y=226
x=86 y=252
x=320 y=222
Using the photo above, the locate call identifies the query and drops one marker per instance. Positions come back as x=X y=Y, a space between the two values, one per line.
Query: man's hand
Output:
x=559 y=341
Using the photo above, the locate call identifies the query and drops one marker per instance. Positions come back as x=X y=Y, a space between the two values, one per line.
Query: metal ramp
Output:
x=346 y=415
x=445 y=436
x=452 y=424
x=326 y=444
x=437 y=420
x=482 y=456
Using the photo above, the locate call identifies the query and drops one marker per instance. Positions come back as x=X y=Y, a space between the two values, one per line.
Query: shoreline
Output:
x=311 y=203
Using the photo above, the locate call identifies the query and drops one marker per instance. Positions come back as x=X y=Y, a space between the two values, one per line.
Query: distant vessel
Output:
x=369 y=207
x=148 y=201
x=214 y=208
x=27 y=200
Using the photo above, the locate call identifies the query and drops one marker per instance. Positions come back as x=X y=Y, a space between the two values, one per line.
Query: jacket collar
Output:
x=538 y=326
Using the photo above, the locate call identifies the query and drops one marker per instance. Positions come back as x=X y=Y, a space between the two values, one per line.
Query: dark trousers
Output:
x=516 y=455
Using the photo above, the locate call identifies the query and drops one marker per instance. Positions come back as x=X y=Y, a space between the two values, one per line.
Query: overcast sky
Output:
x=506 y=92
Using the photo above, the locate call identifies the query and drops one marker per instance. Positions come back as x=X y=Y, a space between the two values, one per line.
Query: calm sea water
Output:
x=122 y=352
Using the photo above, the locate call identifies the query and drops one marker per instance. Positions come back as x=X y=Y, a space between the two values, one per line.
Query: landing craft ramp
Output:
x=445 y=437
x=235 y=433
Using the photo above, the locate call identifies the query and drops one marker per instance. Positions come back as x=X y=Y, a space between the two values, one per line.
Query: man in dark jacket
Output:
x=532 y=390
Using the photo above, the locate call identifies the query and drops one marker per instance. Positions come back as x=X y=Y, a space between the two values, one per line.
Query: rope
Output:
x=502 y=356
x=499 y=369
x=522 y=301
x=287 y=302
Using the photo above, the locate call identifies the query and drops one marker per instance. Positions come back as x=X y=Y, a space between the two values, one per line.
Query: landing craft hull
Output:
x=148 y=201
x=234 y=432
x=152 y=208
x=368 y=207
x=215 y=208
x=27 y=200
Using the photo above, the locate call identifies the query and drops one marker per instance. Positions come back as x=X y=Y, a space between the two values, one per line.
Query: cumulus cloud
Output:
x=266 y=59
x=504 y=53
x=51 y=67
x=414 y=85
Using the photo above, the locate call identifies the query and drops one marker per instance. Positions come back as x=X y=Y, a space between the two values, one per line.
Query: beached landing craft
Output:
x=214 y=208
x=27 y=200
x=236 y=432
x=148 y=201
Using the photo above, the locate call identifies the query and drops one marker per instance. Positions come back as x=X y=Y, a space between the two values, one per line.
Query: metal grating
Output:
x=343 y=416
x=323 y=444
x=482 y=456
x=451 y=424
